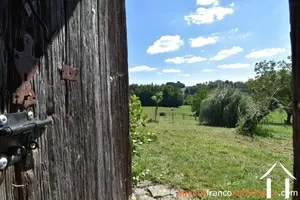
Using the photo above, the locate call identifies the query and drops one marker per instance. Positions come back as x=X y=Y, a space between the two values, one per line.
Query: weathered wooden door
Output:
x=85 y=154
x=295 y=45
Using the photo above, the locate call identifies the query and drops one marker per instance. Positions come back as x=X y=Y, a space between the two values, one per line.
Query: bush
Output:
x=138 y=135
x=248 y=124
x=224 y=107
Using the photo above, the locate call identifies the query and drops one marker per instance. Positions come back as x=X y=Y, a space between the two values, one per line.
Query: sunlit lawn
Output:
x=194 y=157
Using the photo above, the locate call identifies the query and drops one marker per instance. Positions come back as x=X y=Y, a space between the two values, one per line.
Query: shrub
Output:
x=162 y=114
x=138 y=135
x=224 y=107
x=248 y=124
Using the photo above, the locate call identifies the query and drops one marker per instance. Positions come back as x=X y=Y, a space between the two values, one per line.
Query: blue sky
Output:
x=195 y=41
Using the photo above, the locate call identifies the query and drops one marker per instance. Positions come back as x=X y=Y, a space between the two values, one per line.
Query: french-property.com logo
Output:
x=287 y=192
x=268 y=193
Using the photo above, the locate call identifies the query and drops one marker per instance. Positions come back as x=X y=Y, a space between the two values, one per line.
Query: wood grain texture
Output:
x=85 y=154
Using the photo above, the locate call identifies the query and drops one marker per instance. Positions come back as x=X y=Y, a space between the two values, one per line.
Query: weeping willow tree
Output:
x=224 y=107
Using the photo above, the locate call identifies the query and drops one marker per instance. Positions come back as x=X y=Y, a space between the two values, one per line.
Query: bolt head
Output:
x=3 y=120
x=21 y=151
x=33 y=145
x=3 y=162
x=30 y=115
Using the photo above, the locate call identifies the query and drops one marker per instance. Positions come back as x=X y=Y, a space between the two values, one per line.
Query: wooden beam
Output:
x=295 y=45
x=86 y=153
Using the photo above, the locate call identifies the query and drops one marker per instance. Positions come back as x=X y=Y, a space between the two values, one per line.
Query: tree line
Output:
x=172 y=95
x=175 y=94
x=270 y=89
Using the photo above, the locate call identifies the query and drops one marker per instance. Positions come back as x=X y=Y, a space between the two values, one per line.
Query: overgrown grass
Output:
x=195 y=157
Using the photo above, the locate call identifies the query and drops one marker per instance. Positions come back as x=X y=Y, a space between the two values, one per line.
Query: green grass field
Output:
x=194 y=157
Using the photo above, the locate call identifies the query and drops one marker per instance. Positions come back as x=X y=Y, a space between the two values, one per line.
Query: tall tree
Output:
x=273 y=79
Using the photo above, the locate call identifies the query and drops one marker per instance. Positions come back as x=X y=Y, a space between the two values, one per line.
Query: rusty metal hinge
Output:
x=69 y=73
x=27 y=66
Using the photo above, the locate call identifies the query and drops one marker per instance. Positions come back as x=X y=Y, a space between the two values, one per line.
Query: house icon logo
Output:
x=287 y=181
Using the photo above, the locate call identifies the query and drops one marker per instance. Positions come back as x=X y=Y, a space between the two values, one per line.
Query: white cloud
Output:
x=232 y=34
x=208 y=15
x=141 y=68
x=185 y=59
x=227 y=53
x=234 y=66
x=184 y=74
x=243 y=35
x=203 y=41
x=166 y=43
x=268 y=52
x=207 y=70
x=232 y=4
x=159 y=73
x=207 y=2
x=171 y=71
x=234 y=30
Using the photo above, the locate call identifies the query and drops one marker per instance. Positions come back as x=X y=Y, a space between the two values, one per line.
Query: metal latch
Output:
x=18 y=132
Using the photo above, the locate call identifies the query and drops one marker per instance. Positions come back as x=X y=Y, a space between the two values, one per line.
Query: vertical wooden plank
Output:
x=86 y=153
x=295 y=45
x=7 y=177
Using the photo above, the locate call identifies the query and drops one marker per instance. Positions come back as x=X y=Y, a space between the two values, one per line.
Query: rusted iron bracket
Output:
x=69 y=73
x=24 y=95
x=18 y=132
x=27 y=67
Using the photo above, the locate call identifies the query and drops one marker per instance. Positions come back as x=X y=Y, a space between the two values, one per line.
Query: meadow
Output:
x=196 y=157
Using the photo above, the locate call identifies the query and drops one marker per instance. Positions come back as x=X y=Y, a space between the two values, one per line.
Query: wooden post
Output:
x=86 y=153
x=295 y=45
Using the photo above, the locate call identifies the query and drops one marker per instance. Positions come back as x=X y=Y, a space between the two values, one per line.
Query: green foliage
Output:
x=224 y=107
x=188 y=99
x=271 y=89
x=178 y=84
x=158 y=97
x=273 y=80
x=191 y=90
x=138 y=134
x=248 y=123
x=200 y=91
x=172 y=95
x=199 y=96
